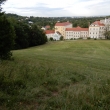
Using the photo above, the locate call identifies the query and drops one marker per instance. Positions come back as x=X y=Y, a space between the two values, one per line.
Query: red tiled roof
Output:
x=62 y=24
x=98 y=23
x=77 y=29
x=49 y=32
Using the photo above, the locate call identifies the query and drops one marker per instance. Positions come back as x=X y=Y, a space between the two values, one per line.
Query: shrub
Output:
x=71 y=39
x=61 y=38
x=88 y=38
x=51 y=39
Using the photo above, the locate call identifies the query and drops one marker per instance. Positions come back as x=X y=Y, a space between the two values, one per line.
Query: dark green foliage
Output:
x=22 y=34
x=61 y=38
x=71 y=39
x=107 y=34
x=37 y=36
x=51 y=39
x=95 y=38
x=27 y=35
x=88 y=38
x=7 y=36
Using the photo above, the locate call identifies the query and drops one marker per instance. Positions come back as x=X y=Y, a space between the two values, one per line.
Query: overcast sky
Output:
x=57 y=8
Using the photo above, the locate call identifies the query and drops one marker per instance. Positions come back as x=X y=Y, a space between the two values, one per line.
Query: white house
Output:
x=53 y=34
x=96 y=30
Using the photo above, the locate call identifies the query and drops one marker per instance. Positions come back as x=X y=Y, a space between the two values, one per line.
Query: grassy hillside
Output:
x=63 y=75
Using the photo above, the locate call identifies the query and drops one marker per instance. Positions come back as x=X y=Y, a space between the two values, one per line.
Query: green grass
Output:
x=62 y=75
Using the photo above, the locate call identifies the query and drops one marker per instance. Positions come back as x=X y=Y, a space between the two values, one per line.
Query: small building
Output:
x=53 y=34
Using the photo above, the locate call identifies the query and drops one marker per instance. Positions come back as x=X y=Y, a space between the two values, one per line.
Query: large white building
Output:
x=65 y=29
x=68 y=32
x=96 y=30
x=75 y=33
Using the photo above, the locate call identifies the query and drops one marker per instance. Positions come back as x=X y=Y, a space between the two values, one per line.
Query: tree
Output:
x=51 y=38
x=6 y=38
x=27 y=35
x=107 y=34
x=37 y=36
x=61 y=38
x=22 y=35
x=6 y=35
x=1 y=2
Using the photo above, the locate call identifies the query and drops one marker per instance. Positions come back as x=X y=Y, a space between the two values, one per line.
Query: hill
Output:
x=44 y=21
x=63 y=75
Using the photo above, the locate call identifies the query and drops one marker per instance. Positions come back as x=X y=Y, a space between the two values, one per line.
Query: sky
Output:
x=57 y=8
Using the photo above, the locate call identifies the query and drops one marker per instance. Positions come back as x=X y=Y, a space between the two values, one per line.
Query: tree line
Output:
x=15 y=34
x=27 y=35
x=43 y=21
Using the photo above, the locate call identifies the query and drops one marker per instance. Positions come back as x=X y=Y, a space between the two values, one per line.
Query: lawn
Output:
x=60 y=75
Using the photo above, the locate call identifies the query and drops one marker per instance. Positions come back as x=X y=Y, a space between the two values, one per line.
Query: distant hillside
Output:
x=43 y=21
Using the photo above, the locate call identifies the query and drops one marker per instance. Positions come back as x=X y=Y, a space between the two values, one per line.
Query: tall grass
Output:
x=69 y=75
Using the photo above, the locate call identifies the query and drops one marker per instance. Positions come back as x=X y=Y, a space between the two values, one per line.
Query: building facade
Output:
x=61 y=27
x=52 y=34
x=95 y=30
x=76 y=33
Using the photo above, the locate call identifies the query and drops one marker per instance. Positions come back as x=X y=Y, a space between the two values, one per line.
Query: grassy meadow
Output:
x=60 y=75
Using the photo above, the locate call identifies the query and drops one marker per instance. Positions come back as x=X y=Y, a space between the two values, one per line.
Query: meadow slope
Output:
x=60 y=75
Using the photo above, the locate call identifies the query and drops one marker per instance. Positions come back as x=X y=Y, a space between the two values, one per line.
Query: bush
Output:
x=61 y=38
x=71 y=39
x=88 y=38
x=80 y=38
x=51 y=39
